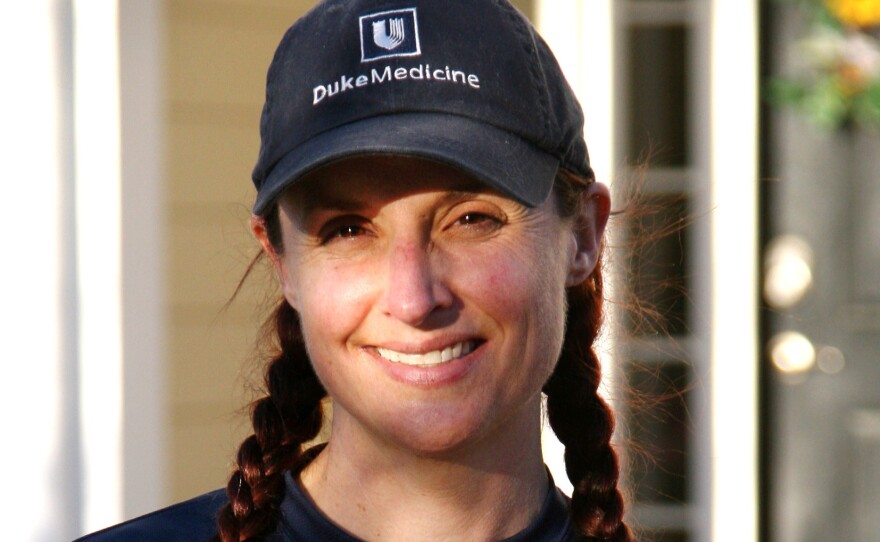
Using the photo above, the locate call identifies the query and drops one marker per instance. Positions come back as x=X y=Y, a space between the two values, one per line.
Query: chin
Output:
x=452 y=430
x=437 y=430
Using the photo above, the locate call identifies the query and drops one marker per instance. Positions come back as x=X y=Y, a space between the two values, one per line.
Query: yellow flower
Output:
x=860 y=13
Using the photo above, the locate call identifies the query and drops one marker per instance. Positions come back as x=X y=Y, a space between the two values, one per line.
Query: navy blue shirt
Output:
x=195 y=520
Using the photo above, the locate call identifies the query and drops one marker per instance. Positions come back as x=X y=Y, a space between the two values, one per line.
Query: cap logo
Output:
x=389 y=41
x=389 y=34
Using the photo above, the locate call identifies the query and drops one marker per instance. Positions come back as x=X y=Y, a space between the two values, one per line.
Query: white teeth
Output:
x=434 y=357
x=446 y=354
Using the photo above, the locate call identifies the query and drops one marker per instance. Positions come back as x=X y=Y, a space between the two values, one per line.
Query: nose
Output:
x=415 y=288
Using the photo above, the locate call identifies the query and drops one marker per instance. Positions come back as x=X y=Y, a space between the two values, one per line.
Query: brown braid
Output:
x=286 y=418
x=583 y=422
x=581 y=419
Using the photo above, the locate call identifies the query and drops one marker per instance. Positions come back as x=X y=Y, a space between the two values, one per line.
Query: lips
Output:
x=432 y=358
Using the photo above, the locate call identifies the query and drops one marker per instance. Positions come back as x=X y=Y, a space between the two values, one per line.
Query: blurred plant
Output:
x=837 y=73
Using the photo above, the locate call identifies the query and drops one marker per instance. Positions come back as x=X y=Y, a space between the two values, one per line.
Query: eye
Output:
x=347 y=231
x=342 y=229
x=474 y=219
x=475 y=222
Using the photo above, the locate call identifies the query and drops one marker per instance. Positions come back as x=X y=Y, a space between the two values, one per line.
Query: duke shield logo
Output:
x=389 y=34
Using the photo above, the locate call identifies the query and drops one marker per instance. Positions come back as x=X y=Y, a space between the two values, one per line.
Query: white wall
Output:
x=80 y=282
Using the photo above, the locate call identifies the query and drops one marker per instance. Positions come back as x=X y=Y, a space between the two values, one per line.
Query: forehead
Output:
x=363 y=180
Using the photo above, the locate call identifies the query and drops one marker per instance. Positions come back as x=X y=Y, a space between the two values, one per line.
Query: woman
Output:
x=425 y=197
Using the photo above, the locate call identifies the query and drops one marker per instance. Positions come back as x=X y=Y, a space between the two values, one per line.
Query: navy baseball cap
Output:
x=468 y=83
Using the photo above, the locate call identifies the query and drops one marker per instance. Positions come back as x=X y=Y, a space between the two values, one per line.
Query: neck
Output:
x=487 y=490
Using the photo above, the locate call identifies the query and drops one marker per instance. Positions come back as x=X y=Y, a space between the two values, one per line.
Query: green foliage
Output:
x=838 y=83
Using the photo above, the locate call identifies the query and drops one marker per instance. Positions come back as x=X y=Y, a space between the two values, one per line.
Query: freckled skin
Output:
x=413 y=272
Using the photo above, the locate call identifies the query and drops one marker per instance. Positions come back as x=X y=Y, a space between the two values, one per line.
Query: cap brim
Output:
x=496 y=157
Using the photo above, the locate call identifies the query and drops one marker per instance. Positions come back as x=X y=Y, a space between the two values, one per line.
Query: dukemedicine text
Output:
x=377 y=76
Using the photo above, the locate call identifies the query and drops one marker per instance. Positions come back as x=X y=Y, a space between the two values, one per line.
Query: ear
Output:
x=589 y=227
x=258 y=227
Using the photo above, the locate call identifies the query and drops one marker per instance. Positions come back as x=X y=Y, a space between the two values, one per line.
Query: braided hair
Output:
x=290 y=415
x=584 y=423
x=582 y=420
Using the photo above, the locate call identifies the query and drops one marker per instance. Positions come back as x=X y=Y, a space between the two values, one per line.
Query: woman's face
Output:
x=431 y=306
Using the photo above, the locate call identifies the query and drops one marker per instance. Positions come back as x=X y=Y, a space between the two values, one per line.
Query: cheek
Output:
x=497 y=283
x=547 y=272
x=333 y=307
x=523 y=288
x=332 y=302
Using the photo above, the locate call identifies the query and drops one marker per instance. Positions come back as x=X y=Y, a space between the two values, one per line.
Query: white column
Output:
x=79 y=424
x=145 y=419
x=120 y=226
x=35 y=327
x=99 y=257
x=734 y=281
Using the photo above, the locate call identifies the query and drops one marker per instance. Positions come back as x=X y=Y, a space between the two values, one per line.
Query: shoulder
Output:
x=189 y=521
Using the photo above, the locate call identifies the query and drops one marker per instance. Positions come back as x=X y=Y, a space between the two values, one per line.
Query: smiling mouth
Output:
x=435 y=357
